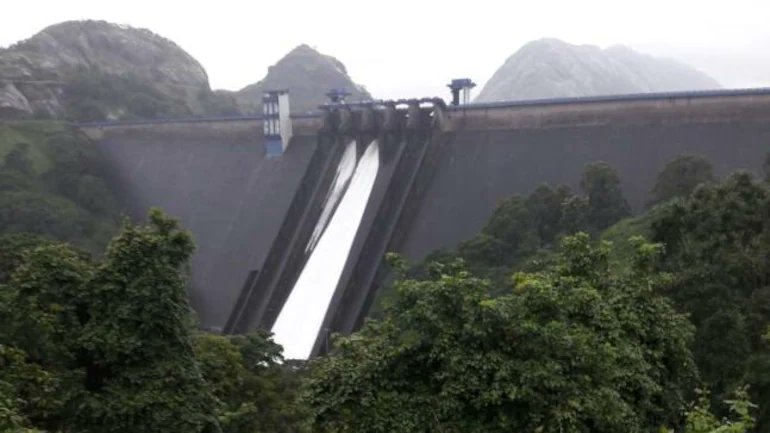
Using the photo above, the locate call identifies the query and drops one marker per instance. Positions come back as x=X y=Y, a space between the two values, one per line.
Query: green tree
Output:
x=575 y=214
x=43 y=214
x=718 y=249
x=517 y=229
x=606 y=204
x=766 y=168
x=12 y=250
x=112 y=335
x=700 y=419
x=573 y=349
x=256 y=390
x=680 y=177
x=17 y=378
x=508 y=236
x=41 y=310
x=545 y=208
x=721 y=342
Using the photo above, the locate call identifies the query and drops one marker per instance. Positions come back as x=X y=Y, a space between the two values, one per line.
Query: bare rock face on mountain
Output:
x=308 y=75
x=550 y=68
x=93 y=70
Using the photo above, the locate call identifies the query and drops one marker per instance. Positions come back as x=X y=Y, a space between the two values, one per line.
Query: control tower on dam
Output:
x=292 y=220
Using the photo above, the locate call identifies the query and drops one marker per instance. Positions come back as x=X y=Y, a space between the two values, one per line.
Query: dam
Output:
x=295 y=242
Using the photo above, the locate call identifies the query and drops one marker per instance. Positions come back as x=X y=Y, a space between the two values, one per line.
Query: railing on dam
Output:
x=687 y=94
x=690 y=94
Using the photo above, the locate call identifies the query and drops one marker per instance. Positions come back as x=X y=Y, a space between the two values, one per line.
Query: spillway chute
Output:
x=300 y=320
x=345 y=170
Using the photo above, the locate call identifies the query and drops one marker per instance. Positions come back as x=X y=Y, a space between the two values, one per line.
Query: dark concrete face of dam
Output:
x=438 y=179
x=476 y=169
x=217 y=180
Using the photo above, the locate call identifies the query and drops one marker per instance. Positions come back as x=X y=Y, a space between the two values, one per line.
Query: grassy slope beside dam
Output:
x=53 y=184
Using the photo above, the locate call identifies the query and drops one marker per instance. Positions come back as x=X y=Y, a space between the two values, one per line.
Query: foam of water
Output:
x=341 y=180
x=303 y=313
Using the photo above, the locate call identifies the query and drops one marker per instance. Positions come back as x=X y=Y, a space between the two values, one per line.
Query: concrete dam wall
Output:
x=215 y=178
x=263 y=224
x=493 y=151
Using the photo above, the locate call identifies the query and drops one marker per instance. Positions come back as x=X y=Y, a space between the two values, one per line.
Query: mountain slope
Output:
x=53 y=183
x=91 y=70
x=308 y=75
x=550 y=68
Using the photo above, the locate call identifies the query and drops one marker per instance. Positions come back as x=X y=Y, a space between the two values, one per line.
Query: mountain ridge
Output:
x=99 y=70
x=96 y=70
x=307 y=74
x=551 y=68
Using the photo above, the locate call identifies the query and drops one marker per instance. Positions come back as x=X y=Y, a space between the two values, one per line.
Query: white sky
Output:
x=400 y=48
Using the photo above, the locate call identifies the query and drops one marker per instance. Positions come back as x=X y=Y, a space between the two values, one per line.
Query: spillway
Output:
x=340 y=184
x=301 y=317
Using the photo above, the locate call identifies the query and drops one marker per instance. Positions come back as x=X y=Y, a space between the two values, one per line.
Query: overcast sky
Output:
x=401 y=48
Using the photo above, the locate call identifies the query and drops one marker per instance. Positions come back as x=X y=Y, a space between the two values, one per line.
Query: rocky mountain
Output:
x=550 y=68
x=92 y=70
x=308 y=75
x=95 y=70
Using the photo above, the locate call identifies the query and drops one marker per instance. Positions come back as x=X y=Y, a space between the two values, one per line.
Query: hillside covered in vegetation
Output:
x=53 y=184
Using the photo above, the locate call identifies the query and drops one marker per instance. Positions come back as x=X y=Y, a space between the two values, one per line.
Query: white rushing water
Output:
x=303 y=313
x=341 y=180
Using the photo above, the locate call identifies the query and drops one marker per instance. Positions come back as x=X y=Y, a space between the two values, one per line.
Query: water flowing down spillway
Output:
x=300 y=320
x=341 y=180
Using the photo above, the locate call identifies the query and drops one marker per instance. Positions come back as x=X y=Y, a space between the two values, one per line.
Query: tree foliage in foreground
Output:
x=718 y=249
x=572 y=349
x=255 y=388
x=700 y=419
x=525 y=228
x=680 y=177
x=606 y=204
x=104 y=346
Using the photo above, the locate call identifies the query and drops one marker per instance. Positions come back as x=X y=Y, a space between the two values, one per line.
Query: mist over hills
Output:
x=551 y=68
x=95 y=70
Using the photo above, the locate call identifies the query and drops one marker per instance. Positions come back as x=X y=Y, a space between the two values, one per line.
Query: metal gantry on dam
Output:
x=311 y=271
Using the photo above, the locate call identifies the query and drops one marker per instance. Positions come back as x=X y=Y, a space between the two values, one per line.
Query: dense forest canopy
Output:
x=109 y=345
x=572 y=348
